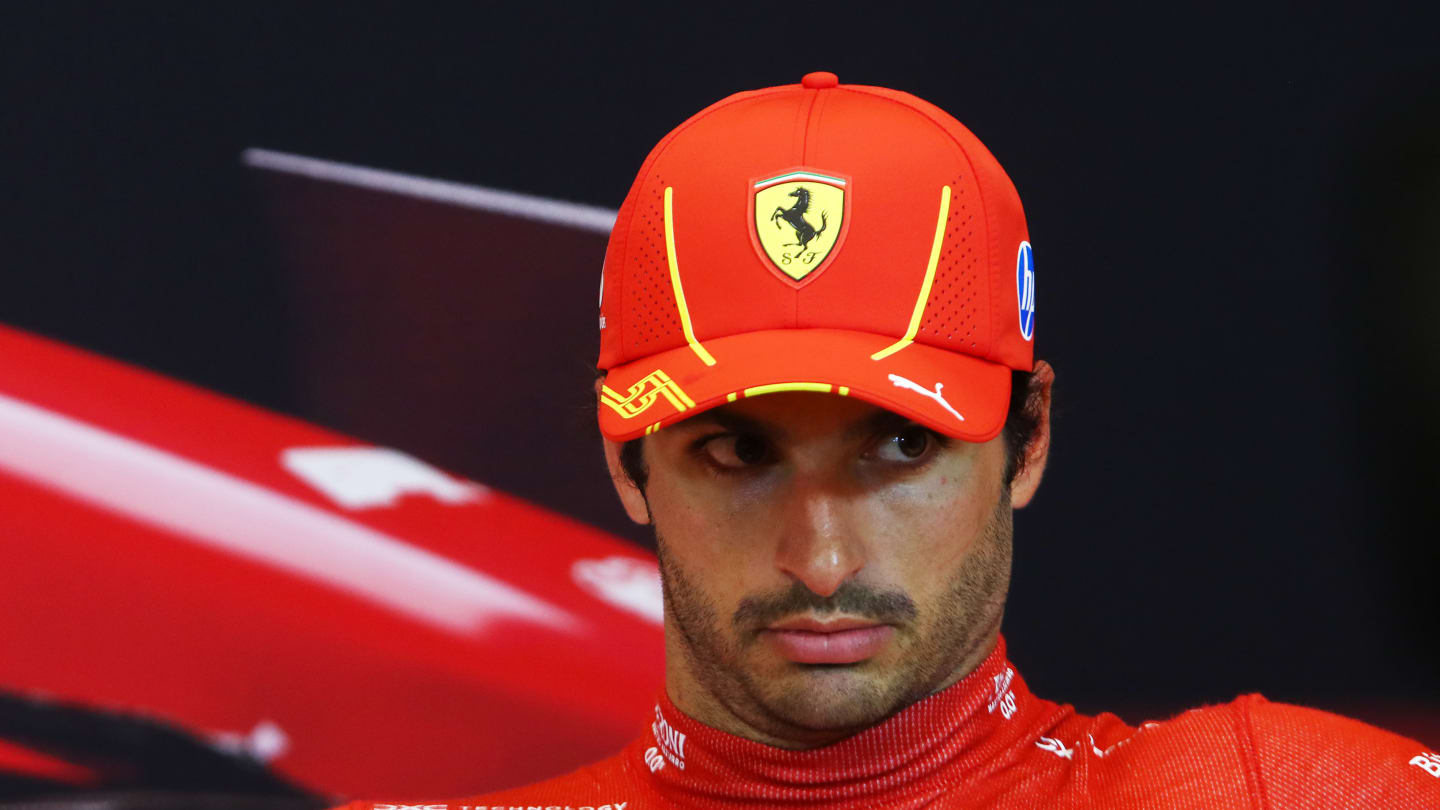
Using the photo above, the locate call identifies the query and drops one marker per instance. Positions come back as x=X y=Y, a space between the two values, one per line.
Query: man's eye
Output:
x=737 y=450
x=905 y=446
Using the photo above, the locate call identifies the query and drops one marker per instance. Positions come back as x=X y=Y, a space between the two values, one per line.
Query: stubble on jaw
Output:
x=939 y=650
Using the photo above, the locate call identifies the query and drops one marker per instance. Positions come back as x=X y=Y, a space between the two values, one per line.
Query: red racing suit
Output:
x=988 y=742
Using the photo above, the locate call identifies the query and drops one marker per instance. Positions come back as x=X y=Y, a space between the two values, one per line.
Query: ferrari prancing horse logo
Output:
x=799 y=218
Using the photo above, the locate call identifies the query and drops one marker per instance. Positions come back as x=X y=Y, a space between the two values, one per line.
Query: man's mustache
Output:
x=853 y=599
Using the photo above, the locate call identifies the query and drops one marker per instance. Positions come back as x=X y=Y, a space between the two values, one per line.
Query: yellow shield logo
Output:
x=799 y=220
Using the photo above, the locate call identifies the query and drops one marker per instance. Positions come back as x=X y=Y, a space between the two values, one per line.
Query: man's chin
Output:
x=829 y=697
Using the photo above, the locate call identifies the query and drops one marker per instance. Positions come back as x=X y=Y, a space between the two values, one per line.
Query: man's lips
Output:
x=837 y=641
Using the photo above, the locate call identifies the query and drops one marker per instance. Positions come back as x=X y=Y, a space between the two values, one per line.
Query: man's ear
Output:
x=630 y=495
x=1032 y=467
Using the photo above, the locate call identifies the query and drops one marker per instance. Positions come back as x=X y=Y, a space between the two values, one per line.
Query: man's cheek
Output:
x=921 y=551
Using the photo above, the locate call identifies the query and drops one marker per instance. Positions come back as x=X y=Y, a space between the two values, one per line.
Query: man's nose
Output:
x=818 y=543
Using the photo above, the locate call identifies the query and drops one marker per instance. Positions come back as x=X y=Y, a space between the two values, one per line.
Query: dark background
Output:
x=1235 y=215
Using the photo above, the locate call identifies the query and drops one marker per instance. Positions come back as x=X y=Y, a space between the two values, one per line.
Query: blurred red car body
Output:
x=362 y=622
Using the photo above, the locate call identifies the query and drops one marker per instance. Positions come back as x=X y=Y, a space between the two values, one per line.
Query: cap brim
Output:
x=955 y=394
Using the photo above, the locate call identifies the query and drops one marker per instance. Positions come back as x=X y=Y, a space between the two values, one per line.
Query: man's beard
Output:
x=936 y=641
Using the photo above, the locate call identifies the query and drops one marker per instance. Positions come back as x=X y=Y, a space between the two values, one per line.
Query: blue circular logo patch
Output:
x=1025 y=289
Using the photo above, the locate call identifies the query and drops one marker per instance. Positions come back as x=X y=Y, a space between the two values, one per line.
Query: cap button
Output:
x=819 y=80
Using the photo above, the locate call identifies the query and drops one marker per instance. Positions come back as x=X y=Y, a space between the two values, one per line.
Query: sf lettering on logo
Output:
x=808 y=257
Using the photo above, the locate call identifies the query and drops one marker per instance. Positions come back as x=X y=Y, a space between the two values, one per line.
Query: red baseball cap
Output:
x=817 y=237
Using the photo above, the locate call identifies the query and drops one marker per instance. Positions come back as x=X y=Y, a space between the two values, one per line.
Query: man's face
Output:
x=825 y=562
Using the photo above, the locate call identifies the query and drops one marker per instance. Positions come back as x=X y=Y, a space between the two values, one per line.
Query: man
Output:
x=817 y=321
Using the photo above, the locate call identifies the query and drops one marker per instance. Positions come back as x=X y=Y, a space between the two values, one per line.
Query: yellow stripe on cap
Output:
x=929 y=280
x=675 y=281
x=776 y=388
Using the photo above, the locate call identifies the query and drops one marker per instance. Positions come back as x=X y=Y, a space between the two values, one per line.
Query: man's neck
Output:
x=957 y=736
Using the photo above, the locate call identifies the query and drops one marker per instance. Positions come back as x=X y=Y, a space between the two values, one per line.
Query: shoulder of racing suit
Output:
x=1253 y=753
x=1307 y=757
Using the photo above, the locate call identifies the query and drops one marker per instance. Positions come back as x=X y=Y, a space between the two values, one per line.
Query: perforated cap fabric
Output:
x=825 y=237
